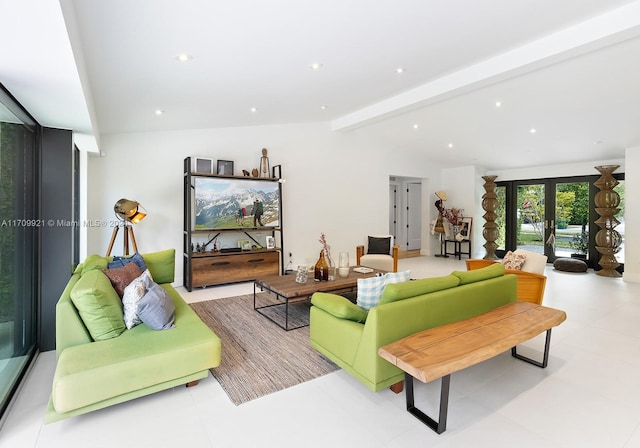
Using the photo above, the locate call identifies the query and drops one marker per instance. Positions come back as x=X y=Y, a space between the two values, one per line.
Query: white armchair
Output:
x=531 y=278
x=534 y=262
x=378 y=252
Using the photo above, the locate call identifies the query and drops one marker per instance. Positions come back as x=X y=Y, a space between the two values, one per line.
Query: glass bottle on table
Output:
x=321 y=270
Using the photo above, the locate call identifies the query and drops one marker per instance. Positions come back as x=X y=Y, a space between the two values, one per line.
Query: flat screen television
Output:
x=236 y=203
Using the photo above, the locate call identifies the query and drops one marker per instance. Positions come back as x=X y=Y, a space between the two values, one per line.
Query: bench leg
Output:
x=545 y=358
x=441 y=425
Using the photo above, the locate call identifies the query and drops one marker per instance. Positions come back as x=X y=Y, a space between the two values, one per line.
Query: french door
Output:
x=554 y=217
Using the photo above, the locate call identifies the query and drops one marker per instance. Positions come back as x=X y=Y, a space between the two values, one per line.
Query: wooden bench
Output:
x=441 y=351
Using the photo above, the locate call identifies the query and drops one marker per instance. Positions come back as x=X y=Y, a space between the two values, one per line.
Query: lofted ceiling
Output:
x=568 y=69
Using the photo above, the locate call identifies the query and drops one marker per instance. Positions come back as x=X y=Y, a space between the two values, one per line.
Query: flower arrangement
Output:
x=326 y=249
x=453 y=215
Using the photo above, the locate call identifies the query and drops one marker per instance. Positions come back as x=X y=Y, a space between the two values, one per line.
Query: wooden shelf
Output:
x=228 y=176
x=236 y=230
x=209 y=268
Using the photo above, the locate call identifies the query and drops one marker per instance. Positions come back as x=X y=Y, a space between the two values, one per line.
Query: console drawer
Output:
x=218 y=269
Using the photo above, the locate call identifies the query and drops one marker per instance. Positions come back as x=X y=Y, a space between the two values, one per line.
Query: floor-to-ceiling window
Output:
x=555 y=217
x=18 y=244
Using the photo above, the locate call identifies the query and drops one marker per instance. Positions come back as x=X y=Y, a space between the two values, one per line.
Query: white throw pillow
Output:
x=131 y=297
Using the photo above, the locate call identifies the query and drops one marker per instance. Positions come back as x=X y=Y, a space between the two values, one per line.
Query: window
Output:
x=18 y=244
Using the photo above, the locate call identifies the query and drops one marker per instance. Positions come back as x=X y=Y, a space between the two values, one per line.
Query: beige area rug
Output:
x=259 y=357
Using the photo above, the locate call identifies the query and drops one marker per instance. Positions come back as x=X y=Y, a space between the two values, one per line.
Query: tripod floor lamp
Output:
x=128 y=212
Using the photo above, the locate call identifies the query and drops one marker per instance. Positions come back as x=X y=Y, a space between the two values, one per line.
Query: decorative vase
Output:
x=490 y=228
x=321 y=270
x=608 y=239
x=301 y=274
x=343 y=264
x=331 y=264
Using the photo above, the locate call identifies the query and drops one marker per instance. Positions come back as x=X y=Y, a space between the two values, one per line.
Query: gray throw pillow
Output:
x=379 y=245
x=156 y=309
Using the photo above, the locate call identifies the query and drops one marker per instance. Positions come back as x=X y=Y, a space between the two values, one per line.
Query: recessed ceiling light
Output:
x=532 y=130
x=184 y=57
x=415 y=126
x=400 y=70
x=316 y=66
x=253 y=109
x=498 y=103
x=324 y=107
x=159 y=112
x=450 y=145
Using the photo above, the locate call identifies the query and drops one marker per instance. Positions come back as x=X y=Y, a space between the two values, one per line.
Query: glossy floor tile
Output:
x=587 y=397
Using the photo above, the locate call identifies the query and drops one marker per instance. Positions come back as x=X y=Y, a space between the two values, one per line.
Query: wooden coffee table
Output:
x=286 y=290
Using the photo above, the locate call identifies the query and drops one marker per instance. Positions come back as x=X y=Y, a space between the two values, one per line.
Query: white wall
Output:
x=464 y=190
x=336 y=183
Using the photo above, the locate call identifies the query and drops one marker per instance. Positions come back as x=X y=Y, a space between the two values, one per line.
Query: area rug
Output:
x=259 y=357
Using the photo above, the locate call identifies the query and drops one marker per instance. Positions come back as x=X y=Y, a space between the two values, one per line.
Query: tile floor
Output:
x=589 y=396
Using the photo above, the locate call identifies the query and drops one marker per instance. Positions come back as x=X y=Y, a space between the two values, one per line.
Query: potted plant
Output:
x=580 y=243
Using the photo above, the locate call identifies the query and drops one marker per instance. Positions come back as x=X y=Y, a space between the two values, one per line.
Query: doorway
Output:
x=555 y=217
x=405 y=212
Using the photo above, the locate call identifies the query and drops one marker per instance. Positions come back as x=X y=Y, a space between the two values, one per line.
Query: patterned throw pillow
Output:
x=397 y=277
x=370 y=289
x=121 y=277
x=514 y=261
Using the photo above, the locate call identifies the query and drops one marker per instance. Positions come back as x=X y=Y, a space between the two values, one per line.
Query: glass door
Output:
x=555 y=217
x=532 y=224
x=571 y=228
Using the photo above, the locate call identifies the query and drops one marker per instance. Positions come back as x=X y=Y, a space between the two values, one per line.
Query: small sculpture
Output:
x=246 y=173
x=254 y=172
x=264 y=164
x=442 y=196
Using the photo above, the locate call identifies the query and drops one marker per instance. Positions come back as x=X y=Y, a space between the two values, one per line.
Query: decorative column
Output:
x=490 y=228
x=607 y=239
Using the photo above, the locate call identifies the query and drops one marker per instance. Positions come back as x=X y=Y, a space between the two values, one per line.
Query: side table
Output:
x=457 y=248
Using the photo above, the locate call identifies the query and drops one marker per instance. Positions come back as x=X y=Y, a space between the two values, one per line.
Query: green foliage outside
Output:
x=572 y=210
x=530 y=201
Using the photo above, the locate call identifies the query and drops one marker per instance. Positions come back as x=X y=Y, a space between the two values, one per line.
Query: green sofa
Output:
x=350 y=336
x=93 y=374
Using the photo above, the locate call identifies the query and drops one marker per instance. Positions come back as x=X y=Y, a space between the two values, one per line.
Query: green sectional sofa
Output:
x=101 y=363
x=350 y=336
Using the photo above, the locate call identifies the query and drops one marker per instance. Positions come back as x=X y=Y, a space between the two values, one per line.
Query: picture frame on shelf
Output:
x=271 y=242
x=225 y=167
x=244 y=244
x=465 y=228
x=203 y=166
